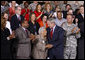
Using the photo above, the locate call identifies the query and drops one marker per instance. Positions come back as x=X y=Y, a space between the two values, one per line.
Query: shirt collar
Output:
x=24 y=28
x=54 y=28
x=17 y=15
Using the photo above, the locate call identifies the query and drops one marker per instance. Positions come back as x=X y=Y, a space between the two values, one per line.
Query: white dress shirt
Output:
x=8 y=26
x=54 y=28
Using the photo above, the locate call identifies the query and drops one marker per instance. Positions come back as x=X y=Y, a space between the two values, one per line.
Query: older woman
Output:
x=39 y=51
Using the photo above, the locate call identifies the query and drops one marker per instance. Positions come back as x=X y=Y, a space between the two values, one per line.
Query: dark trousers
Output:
x=14 y=48
x=56 y=55
x=80 y=50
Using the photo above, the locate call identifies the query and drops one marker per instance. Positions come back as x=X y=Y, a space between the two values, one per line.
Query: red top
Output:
x=11 y=12
x=26 y=15
x=41 y=24
x=37 y=14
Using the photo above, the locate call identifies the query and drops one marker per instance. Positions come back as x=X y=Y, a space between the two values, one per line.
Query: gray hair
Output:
x=41 y=30
x=52 y=20
x=17 y=7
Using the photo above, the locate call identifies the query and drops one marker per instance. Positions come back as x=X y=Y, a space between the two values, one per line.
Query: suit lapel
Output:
x=54 y=33
x=23 y=31
x=81 y=17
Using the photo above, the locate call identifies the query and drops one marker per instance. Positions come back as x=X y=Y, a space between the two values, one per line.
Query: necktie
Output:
x=19 y=18
x=26 y=31
x=51 y=33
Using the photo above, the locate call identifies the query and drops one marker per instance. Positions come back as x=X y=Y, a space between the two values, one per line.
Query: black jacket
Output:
x=15 y=22
x=32 y=29
x=5 y=44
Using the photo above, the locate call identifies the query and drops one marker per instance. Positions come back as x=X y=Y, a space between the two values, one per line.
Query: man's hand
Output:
x=74 y=29
x=77 y=31
x=49 y=46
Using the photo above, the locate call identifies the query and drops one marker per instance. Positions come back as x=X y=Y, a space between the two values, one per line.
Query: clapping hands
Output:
x=32 y=37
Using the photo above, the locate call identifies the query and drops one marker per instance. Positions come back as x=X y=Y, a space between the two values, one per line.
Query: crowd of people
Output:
x=42 y=30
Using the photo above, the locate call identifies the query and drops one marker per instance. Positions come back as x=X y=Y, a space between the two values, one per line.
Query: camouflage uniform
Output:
x=71 y=41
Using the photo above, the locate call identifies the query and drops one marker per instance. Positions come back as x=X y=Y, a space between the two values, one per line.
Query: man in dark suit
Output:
x=81 y=15
x=16 y=19
x=15 y=23
x=81 y=42
x=55 y=36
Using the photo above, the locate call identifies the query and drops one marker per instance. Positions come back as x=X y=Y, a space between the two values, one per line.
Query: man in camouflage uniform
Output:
x=72 y=33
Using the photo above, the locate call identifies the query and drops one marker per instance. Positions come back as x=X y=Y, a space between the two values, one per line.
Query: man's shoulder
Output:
x=59 y=28
x=14 y=16
x=19 y=29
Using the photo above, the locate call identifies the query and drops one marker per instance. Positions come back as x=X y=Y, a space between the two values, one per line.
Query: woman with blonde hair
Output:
x=56 y=10
x=48 y=10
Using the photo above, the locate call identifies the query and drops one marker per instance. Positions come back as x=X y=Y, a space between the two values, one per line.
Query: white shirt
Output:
x=55 y=14
x=17 y=15
x=8 y=26
x=11 y=5
x=82 y=15
x=23 y=28
x=59 y=22
x=2 y=6
x=54 y=28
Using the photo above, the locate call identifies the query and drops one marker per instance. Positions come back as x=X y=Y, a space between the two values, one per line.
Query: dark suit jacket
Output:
x=32 y=29
x=57 y=41
x=15 y=22
x=5 y=44
x=80 y=19
x=64 y=14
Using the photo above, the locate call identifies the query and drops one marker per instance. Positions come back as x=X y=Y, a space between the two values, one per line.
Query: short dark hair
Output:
x=70 y=9
x=59 y=11
x=82 y=6
x=25 y=2
x=44 y=15
x=67 y=5
x=31 y=16
x=69 y=14
x=23 y=21
x=17 y=7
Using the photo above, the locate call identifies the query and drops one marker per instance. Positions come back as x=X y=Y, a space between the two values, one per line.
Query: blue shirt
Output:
x=59 y=22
